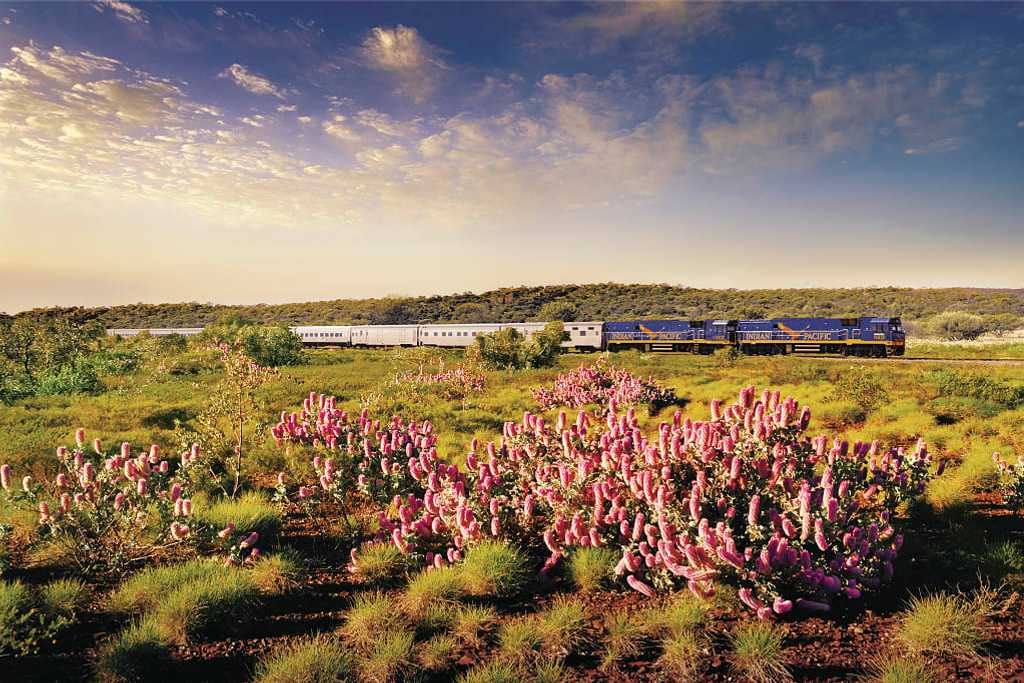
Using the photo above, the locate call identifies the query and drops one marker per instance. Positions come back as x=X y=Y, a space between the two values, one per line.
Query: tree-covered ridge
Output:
x=605 y=301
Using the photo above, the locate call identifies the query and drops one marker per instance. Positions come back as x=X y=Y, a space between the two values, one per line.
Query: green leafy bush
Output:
x=30 y=620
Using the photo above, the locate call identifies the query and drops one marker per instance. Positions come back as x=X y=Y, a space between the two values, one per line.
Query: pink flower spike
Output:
x=80 y=437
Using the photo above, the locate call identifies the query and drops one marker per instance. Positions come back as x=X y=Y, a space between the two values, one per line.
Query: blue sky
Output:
x=248 y=152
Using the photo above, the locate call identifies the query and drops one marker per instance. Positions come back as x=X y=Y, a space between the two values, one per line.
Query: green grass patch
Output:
x=493 y=569
x=592 y=569
x=320 y=659
x=371 y=615
x=758 y=653
x=378 y=562
x=251 y=512
x=942 y=624
x=139 y=653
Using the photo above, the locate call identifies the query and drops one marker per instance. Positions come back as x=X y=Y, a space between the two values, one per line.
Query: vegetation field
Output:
x=280 y=568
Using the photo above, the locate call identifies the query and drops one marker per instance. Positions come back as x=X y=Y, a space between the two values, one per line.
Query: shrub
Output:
x=139 y=653
x=956 y=325
x=377 y=562
x=272 y=346
x=592 y=569
x=508 y=349
x=26 y=622
x=320 y=659
x=758 y=654
x=955 y=383
x=493 y=569
x=861 y=386
x=599 y=384
x=1011 y=481
x=743 y=499
x=102 y=512
x=942 y=624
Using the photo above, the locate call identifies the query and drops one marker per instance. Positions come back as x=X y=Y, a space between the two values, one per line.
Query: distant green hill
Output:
x=607 y=301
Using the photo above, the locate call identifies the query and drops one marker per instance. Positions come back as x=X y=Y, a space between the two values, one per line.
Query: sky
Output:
x=274 y=152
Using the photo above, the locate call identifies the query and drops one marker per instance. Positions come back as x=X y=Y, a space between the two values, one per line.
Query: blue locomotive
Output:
x=864 y=336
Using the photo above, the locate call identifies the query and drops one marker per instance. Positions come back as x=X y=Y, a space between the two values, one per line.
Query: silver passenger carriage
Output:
x=324 y=335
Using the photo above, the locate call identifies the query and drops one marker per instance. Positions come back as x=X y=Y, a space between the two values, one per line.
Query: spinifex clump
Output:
x=743 y=499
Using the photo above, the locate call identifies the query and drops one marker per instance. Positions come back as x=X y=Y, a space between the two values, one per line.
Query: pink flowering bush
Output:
x=110 y=512
x=457 y=383
x=599 y=384
x=1010 y=481
x=742 y=499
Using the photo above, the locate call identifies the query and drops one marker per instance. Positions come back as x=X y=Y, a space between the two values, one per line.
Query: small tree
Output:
x=272 y=346
x=229 y=423
x=558 y=311
x=508 y=349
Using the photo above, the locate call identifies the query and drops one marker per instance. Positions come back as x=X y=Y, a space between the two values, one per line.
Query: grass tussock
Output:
x=371 y=615
x=433 y=586
x=185 y=600
x=681 y=654
x=591 y=569
x=681 y=613
x=548 y=635
x=276 y=573
x=390 y=658
x=139 y=653
x=758 y=653
x=492 y=672
x=320 y=659
x=378 y=563
x=892 y=668
x=471 y=622
x=624 y=638
x=550 y=671
x=251 y=512
x=942 y=624
x=439 y=653
x=205 y=606
x=64 y=597
x=493 y=569
x=143 y=591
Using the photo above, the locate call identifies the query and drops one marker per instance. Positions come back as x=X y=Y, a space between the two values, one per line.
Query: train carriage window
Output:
x=848 y=322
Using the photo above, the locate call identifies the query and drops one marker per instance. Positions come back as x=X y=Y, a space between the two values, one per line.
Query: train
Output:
x=880 y=337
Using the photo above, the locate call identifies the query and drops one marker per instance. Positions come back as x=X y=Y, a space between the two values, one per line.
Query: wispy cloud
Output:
x=254 y=83
x=935 y=147
x=417 y=66
x=124 y=11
